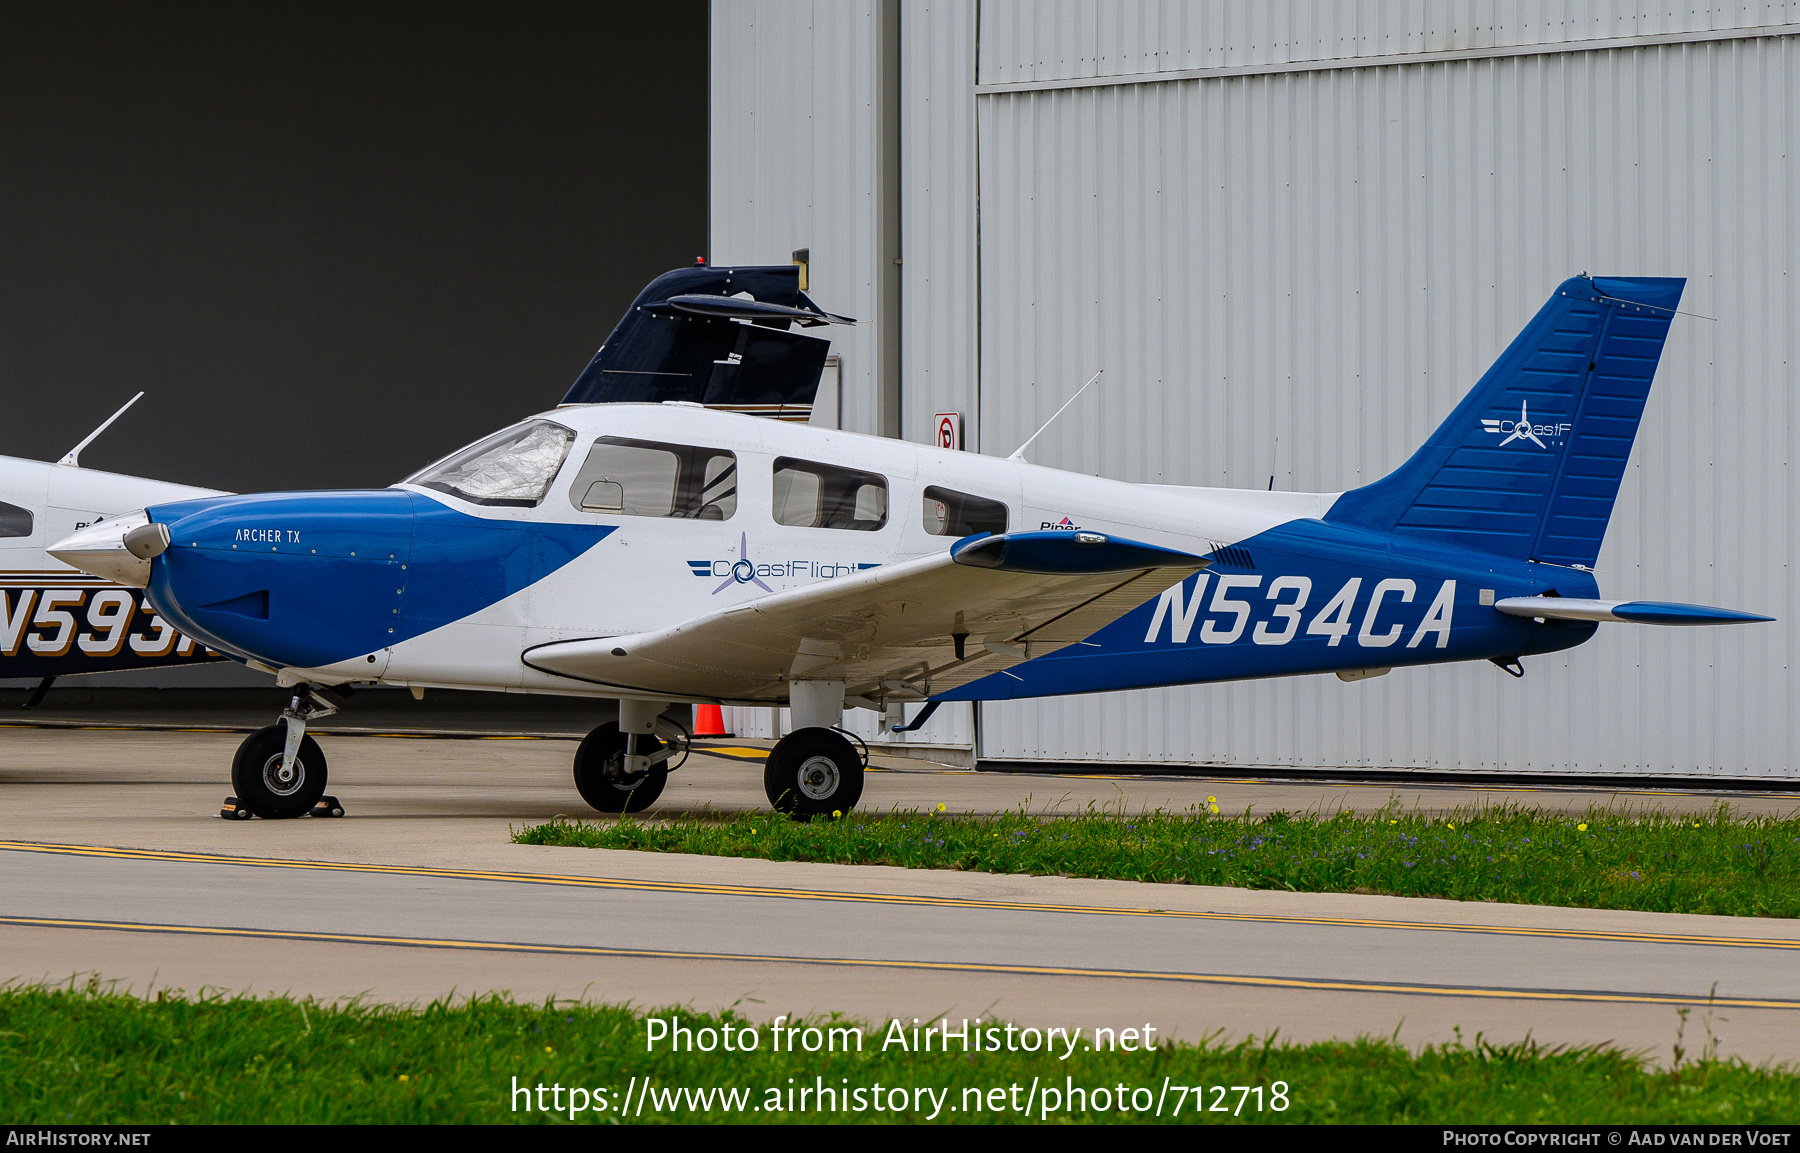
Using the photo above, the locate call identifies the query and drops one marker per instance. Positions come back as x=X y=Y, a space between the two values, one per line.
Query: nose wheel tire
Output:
x=600 y=772
x=813 y=772
x=264 y=787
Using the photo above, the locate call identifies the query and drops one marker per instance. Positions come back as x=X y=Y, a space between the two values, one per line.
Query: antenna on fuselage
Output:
x=73 y=459
x=1019 y=453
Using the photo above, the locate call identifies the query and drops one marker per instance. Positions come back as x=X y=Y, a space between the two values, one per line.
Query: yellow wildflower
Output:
x=1581 y=828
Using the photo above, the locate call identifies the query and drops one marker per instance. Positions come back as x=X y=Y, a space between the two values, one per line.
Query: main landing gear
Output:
x=813 y=772
x=279 y=771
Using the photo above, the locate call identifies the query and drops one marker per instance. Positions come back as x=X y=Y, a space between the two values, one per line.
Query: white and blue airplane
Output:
x=639 y=544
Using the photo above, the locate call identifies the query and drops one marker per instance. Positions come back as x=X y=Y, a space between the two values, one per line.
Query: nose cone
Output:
x=117 y=549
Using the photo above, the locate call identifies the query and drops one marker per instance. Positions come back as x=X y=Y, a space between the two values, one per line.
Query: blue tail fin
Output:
x=1528 y=465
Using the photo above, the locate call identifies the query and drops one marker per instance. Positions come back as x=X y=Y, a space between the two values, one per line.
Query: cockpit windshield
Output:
x=513 y=467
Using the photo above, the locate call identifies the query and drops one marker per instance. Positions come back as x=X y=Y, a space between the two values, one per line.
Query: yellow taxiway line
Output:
x=912 y=899
x=1485 y=993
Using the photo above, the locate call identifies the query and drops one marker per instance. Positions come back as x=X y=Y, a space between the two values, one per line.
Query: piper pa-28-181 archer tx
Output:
x=660 y=553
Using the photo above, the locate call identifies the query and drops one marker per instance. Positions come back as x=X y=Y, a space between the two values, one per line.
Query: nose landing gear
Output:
x=279 y=771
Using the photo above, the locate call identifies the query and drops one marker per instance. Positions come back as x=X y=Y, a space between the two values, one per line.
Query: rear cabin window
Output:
x=513 y=467
x=957 y=514
x=14 y=521
x=646 y=478
x=812 y=495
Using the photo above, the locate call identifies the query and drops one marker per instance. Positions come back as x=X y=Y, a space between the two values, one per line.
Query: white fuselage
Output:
x=657 y=571
x=54 y=619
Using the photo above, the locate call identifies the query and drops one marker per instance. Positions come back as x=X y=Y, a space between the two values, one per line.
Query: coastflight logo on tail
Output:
x=1523 y=429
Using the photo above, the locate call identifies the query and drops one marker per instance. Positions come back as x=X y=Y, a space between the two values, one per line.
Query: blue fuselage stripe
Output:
x=1322 y=597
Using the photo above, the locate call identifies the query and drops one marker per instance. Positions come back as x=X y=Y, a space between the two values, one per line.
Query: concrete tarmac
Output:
x=419 y=892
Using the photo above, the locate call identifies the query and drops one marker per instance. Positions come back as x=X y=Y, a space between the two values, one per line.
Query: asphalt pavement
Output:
x=116 y=864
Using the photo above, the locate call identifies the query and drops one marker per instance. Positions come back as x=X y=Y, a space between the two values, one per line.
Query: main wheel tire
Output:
x=813 y=772
x=600 y=773
x=257 y=779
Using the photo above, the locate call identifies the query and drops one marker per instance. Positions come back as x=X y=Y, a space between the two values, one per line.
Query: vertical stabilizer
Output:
x=714 y=336
x=1529 y=464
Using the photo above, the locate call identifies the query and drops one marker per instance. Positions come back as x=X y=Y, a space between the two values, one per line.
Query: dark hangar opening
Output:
x=331 y=244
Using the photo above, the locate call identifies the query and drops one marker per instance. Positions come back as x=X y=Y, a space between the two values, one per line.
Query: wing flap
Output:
x=904 y=630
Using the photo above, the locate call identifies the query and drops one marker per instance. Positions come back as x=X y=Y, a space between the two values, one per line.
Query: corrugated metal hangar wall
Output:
x=1294 y=234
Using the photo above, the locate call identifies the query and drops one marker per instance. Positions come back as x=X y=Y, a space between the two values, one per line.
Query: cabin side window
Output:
x=645 y=478
x=513 y=467
x=812 y=495
x=957 y=514
x=14 y=521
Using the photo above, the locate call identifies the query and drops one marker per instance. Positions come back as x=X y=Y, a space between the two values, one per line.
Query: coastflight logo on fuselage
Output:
x=1523 y=429
x=744 y=570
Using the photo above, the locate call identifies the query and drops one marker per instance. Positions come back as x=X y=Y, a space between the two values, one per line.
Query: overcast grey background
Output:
x=329 y=245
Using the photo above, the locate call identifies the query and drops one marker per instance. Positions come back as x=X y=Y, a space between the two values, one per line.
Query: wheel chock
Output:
x=328 y=806
x=234 y=810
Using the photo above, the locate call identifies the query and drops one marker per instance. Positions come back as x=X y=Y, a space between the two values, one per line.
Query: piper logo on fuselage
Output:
x=1063 y=525
x=744 y=571
x=1286 y=599
x=1523 y=429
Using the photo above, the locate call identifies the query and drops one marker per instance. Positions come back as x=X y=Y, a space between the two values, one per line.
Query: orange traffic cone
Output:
x=709 y=721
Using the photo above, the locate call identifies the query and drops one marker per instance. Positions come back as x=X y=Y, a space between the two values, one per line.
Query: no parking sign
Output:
x=949 y=430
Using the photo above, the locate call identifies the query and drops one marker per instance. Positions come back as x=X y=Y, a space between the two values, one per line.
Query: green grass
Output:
x=1717 y=863
x=75 y=1055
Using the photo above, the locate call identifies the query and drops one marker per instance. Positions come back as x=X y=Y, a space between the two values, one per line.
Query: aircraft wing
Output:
x=905 y=631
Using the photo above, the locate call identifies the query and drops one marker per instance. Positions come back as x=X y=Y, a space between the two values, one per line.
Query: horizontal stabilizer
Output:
x=738 y=308
x=1639 y=612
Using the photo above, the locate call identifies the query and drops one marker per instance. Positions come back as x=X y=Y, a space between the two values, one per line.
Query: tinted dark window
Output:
x=951 y=513
x=14 y=521
x=813 y=495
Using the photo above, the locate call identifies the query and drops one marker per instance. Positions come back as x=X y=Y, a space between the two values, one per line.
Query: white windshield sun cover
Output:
x=513 y=467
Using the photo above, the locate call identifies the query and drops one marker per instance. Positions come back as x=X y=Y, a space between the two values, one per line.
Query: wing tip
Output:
x=1671 y=613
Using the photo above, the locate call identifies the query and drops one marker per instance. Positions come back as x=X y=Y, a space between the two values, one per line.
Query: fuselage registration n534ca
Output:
x=667 y=552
